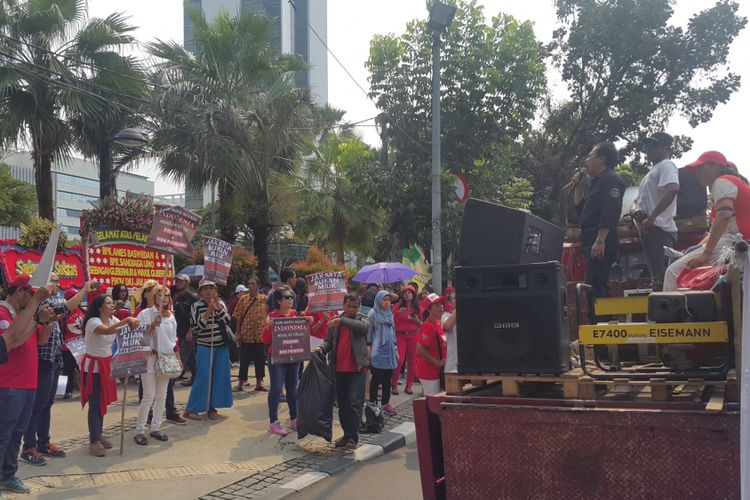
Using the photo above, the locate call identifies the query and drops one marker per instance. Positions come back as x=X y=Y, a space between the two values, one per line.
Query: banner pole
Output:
x=122 y=415
x=210 y=367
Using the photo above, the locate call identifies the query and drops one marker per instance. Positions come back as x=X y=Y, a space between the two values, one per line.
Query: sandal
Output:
x=159 y=435
x=140 y=439
x=192 y=416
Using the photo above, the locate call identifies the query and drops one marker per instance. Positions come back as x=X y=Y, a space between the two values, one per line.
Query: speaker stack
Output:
x=511 y=293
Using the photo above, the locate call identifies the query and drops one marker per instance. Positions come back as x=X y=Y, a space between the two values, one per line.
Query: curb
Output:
x=386 y=442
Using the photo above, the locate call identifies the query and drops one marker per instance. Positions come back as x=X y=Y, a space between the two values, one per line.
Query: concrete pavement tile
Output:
x=389 y=441
x=336 y=464
x=275 y=493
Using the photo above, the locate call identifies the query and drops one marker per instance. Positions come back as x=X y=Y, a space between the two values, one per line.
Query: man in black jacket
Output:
x=347 y=341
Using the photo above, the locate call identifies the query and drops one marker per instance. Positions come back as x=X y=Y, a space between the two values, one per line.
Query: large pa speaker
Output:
x=512 y=319
x=495 y=234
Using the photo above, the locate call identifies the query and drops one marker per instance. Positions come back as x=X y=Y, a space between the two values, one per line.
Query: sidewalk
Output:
x=200 y=458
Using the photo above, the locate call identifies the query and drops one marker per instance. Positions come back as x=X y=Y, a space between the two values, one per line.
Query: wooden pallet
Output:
x=513 y=385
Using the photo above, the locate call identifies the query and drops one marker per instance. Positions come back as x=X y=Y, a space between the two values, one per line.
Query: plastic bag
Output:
x=315 y=396
x=701 y=278
x=373 y=419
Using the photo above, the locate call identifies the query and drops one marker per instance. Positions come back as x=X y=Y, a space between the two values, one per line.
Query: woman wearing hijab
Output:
x=383 y=359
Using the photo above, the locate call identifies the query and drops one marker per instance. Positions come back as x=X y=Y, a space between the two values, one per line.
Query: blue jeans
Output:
x=15 y=410
x=37 y=432
x=283 y=375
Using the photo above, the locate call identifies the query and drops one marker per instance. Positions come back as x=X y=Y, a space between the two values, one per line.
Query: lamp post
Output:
x=128 y=137
x=441 y=16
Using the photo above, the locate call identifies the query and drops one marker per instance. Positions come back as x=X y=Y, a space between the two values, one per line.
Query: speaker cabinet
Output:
x=498 y=235
x=512 y=319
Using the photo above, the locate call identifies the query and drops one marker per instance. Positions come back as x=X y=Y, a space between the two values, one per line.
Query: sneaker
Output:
x=32 y=457
x=350 y=445
x=177 y=420
x=14 y=485
x=389 y=409
x=52 y=451
x=97 y=449
x=276 y=428
x=341 y=442
x=293 y=425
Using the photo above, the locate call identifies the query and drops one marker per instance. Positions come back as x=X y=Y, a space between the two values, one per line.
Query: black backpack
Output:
x=373 y=419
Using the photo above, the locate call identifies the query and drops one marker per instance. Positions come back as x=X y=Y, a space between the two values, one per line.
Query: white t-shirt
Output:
x=451 y=358
x=722 y=189
x=98 y=346
x=164 y=337
x=652 y=189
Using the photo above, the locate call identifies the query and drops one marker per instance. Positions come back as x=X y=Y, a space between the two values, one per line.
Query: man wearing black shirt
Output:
x=182 y=301
x=599 y=212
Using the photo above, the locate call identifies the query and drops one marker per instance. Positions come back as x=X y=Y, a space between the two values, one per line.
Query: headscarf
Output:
x=382 y=334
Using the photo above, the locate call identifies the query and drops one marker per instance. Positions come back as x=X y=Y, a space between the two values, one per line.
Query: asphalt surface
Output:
x=392 y=476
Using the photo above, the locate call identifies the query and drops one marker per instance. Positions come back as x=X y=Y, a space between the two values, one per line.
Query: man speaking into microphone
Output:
x=599 y=212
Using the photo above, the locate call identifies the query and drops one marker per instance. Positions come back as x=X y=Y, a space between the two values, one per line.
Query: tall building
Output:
x=299 y=24
x=75 y=185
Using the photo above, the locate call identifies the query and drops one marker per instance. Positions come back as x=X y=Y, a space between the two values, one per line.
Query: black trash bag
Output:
x=315 y=396
x=373 y=419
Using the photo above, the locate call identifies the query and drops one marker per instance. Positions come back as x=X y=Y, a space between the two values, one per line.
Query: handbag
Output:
x=227 y=335
x=167 y=363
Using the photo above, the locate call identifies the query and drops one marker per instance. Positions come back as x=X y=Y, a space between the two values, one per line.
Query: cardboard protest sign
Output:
x=133 y=350
x=77 y=348
x=172 y=230
x=290 y=340
x=217 y=260
x=325 y=291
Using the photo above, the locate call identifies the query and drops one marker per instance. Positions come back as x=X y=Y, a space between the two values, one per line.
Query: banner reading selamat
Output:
x=120 y=256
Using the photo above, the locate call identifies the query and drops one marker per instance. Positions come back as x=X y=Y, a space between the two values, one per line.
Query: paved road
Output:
x=395 y=475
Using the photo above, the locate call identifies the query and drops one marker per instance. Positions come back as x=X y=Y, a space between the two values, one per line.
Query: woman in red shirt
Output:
x=432 y=348
x=406 y=321
x=282 y=374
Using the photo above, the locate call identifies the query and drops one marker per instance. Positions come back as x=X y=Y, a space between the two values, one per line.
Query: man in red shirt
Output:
x=18 y=378
x=347 y=340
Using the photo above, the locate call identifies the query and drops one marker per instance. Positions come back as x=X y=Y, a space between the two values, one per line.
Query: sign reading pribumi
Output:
x=654 y=333
x=290 y=340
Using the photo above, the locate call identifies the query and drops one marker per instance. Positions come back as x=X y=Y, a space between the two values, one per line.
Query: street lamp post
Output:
x=441 y=16
x=128 y=137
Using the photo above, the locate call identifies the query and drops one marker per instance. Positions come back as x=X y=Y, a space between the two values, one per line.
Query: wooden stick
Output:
x=122 y=416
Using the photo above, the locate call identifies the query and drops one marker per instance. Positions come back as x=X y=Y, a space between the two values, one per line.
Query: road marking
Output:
x=304 y=480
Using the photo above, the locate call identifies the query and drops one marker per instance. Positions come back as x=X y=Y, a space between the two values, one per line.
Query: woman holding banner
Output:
x=98 y=388
x=209 y=322
x=282 y=374
x=162 y=332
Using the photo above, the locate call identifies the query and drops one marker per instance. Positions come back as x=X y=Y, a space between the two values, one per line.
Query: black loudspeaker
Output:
x=498 y=235
x=512 y=319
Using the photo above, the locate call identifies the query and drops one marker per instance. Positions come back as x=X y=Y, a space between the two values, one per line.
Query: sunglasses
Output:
x=287 y=297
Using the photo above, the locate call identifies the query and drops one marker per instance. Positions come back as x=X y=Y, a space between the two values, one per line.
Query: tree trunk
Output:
x=43 y=175
x=227 y=226
x=339 y=251
x=261 y=234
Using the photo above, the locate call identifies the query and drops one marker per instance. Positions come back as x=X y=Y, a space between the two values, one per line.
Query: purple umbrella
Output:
x=384 y=272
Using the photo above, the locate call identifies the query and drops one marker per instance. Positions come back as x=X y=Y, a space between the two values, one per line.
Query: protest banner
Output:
x=132 y=354
x=290 y=340
x=172 y=230
x=77 y=348
x=16 y=259
x=325 y=291
x=217 y=260
x=121 y=256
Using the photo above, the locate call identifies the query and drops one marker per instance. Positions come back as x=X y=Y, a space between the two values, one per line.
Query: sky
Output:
x=353 y=23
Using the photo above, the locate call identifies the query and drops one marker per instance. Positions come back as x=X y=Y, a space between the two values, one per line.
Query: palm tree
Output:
x=339 y=214
x=46 y=75
x=205 y=125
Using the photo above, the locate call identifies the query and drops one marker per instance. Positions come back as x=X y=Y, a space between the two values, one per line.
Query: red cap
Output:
x=709 y=157
x=431 y=300
x=409 y=288
x=21 y=281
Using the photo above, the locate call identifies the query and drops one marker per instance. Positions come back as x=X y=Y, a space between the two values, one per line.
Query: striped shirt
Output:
x=52 y=350
x=202 y=329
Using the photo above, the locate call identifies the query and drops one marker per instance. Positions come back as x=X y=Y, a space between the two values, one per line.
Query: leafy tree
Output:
x=492 y=78
x=338 y=211
x=46 y=77
x=17 y=200
x=628 y=70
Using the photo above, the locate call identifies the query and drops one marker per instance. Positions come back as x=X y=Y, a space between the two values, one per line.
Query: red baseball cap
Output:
x=709 y=157
x=21 y=281
x=431 y=300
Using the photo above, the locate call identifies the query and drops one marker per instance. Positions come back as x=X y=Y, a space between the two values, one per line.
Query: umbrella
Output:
x=194 y=271
x=384 y=272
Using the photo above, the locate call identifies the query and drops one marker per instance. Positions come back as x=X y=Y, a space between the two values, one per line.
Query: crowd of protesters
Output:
x=377 y=333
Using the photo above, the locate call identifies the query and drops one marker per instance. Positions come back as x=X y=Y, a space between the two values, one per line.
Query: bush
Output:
x=36 y=233
x=132 y=213
x=316 y=262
